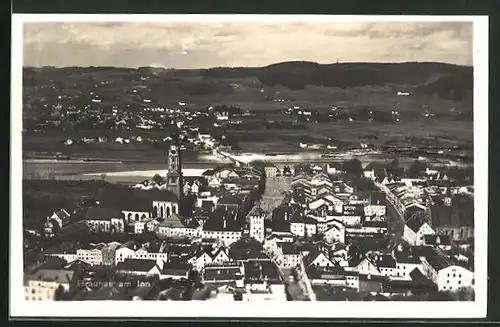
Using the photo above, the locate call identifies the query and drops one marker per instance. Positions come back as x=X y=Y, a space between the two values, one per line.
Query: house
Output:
x=151 y=225
x=377 y=205
x=415 y=229
x=104 y=219
x=367 y=267
x=222 y=273
x=90 y=253
x=44 y=283
x=455 y=220
x=62 y=217
x=200 y=259
x=271 y=170
x=256 y=217
x=406 y=264
x=229 y=202
x=318 y=259
x=442 y=241
x=65 y=251
x=176 y=227
x=334 y=276
x=223 y=226
x=326 y=204
x=138 y=267
x=335 y=232
x=291 y=254
x=444 y=273
x=175 y=270
x=132 y=250
x=368 y=229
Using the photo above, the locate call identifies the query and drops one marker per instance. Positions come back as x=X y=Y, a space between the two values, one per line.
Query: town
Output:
x=246 y=231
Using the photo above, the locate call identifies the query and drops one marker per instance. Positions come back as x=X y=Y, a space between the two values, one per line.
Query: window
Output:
x=459 y=282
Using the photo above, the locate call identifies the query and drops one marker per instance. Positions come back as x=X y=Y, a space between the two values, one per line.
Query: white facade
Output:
x=298 y=229
x=199 y=262
x=322 y=261
x=454 y=278
x=335 y=233
x=69 y=257
x=99 y=225
x=164 y=209
x=139 y=227
x=179 y=232
x=36 y=290
x=90 y=256
x=417 y=238
x=134 y=216
x=366 y=267
x=126 y=253
x=374 y=209
x=227 y=237
x=257 y=227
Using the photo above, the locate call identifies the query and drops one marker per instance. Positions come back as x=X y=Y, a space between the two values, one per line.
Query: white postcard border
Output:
x=215 y=309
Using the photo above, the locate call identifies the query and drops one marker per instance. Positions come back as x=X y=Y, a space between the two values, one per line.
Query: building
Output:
x=44 y=283
x=174 y=175
x=139 y=267
x=222 y=273
x=131 y=250
x=175 y=270
x=444 y=273
x=415 y=230
x=291 y=254
x=90 y=253
x=104 y=219
x=271 y=170
x=167 y=206
x=335 y=231
x=256 y=217
x=177 y=227
x=377 y=205
x=456 y=219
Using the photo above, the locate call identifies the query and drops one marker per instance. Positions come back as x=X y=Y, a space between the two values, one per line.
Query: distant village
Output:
x=256 y=232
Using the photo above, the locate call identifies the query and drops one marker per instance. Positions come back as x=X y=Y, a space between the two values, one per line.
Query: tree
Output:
x=416 y=168
x=353 y=167
x=158 y=179
x=60 y=294
x=395 y=163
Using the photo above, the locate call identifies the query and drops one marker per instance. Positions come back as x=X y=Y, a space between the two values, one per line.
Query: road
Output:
x=296 y=288
x=396 y=225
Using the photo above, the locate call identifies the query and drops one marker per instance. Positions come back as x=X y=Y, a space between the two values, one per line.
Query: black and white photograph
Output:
x=249 y=166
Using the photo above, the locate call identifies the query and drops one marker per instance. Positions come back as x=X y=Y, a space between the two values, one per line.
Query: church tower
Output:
x=174 y=174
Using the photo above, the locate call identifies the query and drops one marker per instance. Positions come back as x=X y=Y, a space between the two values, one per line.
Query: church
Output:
x=163 y=208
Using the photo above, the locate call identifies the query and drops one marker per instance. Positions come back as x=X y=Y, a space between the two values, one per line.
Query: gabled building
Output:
x=104 y=219
x=415 y=229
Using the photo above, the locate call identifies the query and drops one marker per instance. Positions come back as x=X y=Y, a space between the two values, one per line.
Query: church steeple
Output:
x=174 y=162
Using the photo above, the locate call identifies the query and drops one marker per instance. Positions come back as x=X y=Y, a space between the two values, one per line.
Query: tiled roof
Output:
x=460 y=213
x=175 y=268
x=173 y=221
x=289 y=248
x=222 y=273
x=229 y=200
x=437 y=260
x=377 y=198
x=415 y=223
x=98 y=213
x=136 y=265
x=53 y=275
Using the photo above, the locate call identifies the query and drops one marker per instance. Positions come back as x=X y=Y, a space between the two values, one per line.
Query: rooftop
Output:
x=98 y=213
x=136 y=265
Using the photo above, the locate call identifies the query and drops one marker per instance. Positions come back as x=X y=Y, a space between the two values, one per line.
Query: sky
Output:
x=242 y=44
